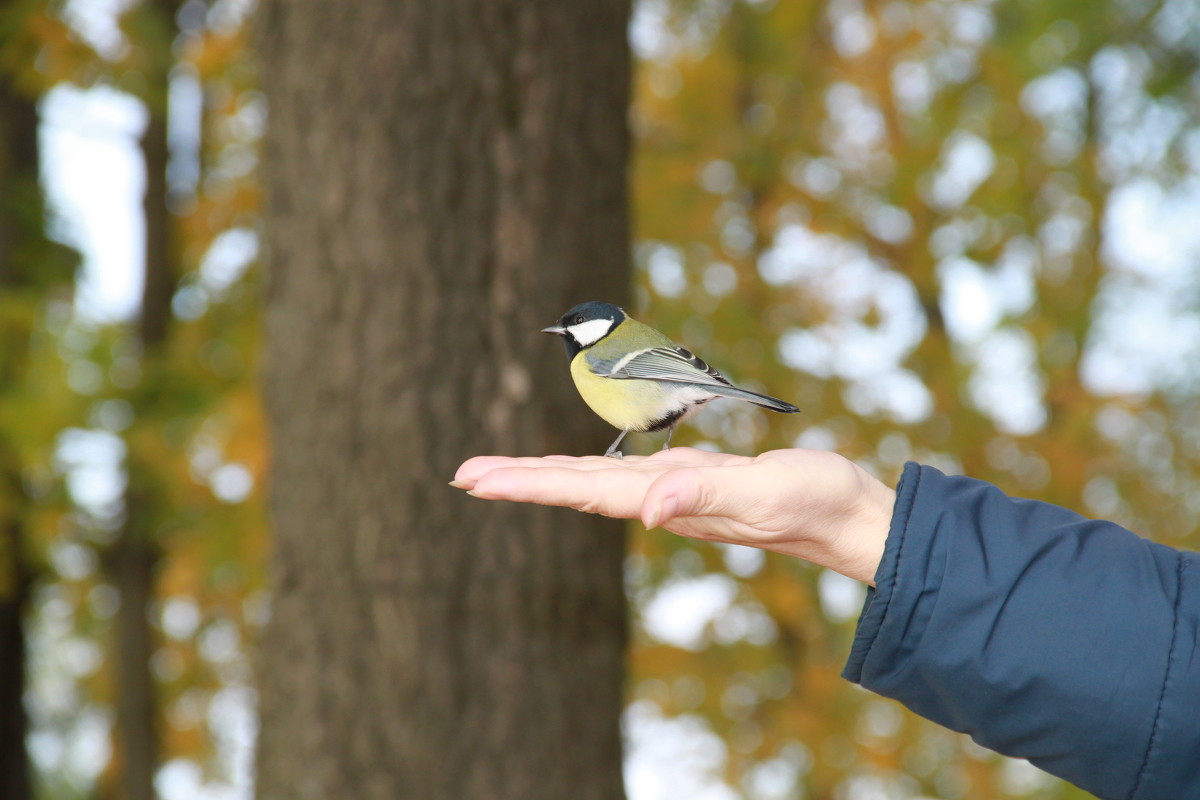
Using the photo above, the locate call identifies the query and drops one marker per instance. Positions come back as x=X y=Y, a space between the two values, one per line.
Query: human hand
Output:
x=809 y=504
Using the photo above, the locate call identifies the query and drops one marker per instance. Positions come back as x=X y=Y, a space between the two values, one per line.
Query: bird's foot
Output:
x=612 y=448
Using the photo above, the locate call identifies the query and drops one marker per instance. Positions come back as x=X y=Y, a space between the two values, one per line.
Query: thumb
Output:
x=680 y=493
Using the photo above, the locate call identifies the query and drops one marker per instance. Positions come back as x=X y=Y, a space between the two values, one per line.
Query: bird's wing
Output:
x=678 y=365
x=667 y=364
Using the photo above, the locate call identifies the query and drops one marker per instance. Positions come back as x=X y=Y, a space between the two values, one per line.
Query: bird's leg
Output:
x=670 y=432
x=612 y=450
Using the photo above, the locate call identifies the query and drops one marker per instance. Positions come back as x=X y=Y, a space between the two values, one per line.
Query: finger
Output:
x=613 y=492
x=473 y=469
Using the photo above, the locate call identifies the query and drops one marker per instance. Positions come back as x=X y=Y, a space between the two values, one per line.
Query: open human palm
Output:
x=810 y=504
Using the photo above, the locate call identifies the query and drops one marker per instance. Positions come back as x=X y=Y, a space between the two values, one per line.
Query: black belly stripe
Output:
x=670 y=419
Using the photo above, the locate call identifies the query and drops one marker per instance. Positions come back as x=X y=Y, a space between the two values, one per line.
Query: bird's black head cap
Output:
x=586 y=324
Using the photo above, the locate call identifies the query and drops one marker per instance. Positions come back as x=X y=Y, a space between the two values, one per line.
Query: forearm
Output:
x=1042 y=634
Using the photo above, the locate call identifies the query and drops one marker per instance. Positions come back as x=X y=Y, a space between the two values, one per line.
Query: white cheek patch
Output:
x=590 y=332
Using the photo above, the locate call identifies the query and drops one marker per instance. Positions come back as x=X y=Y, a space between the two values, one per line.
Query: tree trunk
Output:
x=443 y=179
x=133 y=558
x=14 y=722
x=131 y=564
x=20 y=229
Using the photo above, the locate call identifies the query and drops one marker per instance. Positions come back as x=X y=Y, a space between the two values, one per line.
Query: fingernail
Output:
x=667 y=509
x=662 y=512
x=457 y=484
x=474 y=493
x=651 y=519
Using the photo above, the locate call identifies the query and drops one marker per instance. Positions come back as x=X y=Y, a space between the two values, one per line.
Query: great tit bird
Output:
x=636 y=378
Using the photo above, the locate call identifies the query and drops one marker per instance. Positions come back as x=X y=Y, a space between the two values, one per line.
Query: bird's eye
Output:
x=578 y=319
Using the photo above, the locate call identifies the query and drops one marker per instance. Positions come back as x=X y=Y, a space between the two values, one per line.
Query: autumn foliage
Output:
x=958 y=232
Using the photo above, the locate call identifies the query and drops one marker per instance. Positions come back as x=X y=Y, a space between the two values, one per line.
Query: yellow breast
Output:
x=625 y=404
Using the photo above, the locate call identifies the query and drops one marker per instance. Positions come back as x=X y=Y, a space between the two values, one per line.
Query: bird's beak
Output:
x=557 y=330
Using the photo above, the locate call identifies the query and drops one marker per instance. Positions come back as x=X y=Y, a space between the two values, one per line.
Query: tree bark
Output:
x=443 y=179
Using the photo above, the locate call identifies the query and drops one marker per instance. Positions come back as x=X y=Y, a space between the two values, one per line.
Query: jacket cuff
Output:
x=879 y=596
x=1171 y=768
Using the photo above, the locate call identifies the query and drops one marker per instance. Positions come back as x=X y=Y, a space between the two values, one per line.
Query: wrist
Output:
x=865 y=534
x=850 y=534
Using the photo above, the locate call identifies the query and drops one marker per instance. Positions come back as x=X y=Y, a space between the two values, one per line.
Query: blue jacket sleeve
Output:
x=1044 y=635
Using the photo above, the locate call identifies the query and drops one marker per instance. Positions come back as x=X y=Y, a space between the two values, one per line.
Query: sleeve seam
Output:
x=1181 y=565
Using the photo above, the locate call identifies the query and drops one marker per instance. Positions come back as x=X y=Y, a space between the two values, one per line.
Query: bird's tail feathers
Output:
x=753 y=397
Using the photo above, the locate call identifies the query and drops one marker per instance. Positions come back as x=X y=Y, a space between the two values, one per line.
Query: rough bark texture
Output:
x=443 y=179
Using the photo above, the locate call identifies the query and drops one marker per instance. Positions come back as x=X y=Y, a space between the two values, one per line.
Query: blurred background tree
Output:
x=34 y=272
x=958 y=231
x=442 y=180
x=150 y=573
